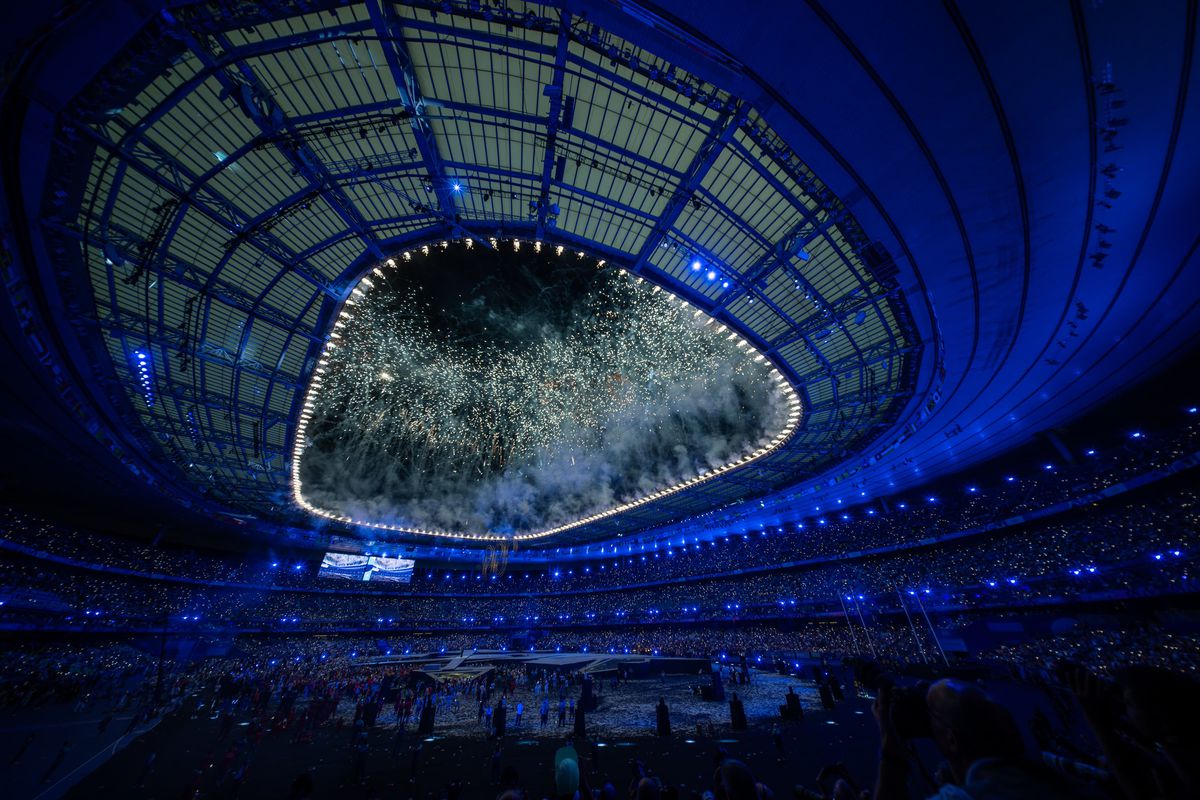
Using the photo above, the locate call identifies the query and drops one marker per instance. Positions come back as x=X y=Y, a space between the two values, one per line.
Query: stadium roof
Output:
x=949 y=230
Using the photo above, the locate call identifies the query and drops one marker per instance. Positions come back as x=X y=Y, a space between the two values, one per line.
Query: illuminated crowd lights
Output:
x=770 y=443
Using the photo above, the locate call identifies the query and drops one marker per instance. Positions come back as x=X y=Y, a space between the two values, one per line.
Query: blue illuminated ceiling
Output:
x=952 y=227
x=237 y=170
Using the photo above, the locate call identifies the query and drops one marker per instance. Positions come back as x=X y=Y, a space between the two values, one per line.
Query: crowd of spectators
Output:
x=293 y=687
x=887 y=582
x=1107 y=650
x=1130 y=546
x=71 y=672
x=968 y=506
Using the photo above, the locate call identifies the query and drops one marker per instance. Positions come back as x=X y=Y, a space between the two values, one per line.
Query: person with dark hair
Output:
x=734 y=781
x=500 y=720
x=1146 y=705
x=647 y=789
x=425 y=726
x=302 y=787
x=737 y=713
x=663 y=717
x=826 y=694
x=980 y=741
x=792 y=710
x=580 y=729
x=510 y=779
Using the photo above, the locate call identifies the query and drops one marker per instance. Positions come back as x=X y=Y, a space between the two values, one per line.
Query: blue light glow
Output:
x=144 y=376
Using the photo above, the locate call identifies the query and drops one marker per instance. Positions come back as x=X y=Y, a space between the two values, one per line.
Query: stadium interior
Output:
x=583 y=399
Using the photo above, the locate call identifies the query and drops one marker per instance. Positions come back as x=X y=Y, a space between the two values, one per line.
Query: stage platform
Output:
x=474 y=662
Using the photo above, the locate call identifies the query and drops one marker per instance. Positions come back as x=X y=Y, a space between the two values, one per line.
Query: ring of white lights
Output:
x=364 y=285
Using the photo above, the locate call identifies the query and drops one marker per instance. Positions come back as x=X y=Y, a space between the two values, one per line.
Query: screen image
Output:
x=399 y=570
x=344 y=566
x=352 y=567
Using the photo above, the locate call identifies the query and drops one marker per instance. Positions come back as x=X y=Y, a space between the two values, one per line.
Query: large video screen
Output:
x=366 y=568
x=345 y=566
x=399 y=570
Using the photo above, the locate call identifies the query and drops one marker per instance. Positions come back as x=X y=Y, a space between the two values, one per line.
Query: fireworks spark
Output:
x=536 y=391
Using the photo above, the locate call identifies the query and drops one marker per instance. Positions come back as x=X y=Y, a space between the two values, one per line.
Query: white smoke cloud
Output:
x=556 y=414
